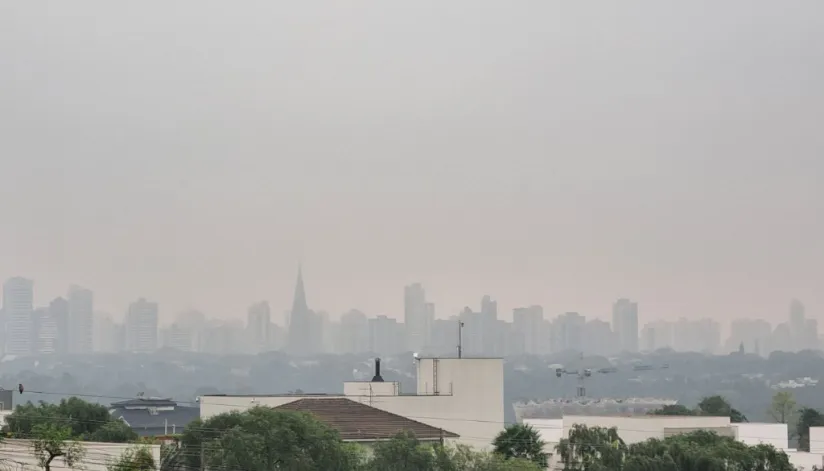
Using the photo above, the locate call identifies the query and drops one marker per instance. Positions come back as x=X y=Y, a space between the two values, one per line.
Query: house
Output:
x=152 y=416
x=357 y=422
x=462 y=395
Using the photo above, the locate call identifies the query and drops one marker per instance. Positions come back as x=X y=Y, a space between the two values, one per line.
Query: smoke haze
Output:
x=552 y=153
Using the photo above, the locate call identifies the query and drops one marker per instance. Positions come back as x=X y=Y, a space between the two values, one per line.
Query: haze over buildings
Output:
x=550 y=153
x=45 y=330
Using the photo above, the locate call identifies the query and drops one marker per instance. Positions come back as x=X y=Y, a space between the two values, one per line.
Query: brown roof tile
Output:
x=356 y=421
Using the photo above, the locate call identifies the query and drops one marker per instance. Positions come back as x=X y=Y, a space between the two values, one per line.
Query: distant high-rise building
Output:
x=59 y=311
x=658 y=334
x=257 y=326
x=599 y=339
x=353 y=333
x=750 y=332
x=45 y=332
x=18 y=306
x=810 y=340
x=106 y=334
x=491 y=335
x=302 y=322
x=385 y=336
x=471 y=333
x=568 y=332
x=177 y=337
x=81 y=320
x=625 y=324
x=798 y=324
x=141 y=326
x=528 y=323
x=418 y=316
x=195 y=322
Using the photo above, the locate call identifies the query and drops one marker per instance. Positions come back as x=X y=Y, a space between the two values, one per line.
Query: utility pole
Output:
x=460 y=338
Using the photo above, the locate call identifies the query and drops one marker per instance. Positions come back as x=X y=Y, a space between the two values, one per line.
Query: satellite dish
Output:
x=415 y=355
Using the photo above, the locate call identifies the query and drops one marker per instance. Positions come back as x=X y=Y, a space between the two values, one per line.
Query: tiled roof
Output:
x=356 y=421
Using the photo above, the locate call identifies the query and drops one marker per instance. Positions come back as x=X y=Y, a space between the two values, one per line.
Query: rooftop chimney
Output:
x=377 y=378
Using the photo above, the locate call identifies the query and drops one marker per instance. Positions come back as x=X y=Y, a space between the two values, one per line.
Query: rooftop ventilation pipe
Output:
x=377 y=378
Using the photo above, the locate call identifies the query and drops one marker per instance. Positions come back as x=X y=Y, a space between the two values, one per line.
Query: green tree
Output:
x=404 y=453
x=591 y=449
x=85 y=420
x=263 y=439
x=50 y=441
x=138 y=458
x=783 y=407
x=807 y=417
x=114 y=431
x=717 y=406
x=521 y=441
x=703 y=450
x=673 y=409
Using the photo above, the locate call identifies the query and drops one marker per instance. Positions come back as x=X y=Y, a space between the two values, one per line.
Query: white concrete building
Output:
x=17 y=456
x=464 y=396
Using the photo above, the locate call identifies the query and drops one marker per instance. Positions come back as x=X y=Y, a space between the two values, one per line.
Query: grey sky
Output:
x=561 y=153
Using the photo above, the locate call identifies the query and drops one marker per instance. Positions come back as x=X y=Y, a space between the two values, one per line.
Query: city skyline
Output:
x=68 y=325
x=279 y=313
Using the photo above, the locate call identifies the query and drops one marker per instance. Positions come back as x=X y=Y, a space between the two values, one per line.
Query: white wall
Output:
x=470 y=403
x=804 y=461
x=17 y=455
x=367 y=388
x=762 y=433
x=817 y=439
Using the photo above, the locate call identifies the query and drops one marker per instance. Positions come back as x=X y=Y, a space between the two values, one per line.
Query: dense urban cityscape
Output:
x=71 y=325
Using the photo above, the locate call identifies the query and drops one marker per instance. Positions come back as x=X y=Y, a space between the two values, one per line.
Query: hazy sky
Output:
x=559 y=153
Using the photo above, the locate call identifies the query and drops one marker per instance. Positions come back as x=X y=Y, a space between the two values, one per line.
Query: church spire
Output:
x=299 y=306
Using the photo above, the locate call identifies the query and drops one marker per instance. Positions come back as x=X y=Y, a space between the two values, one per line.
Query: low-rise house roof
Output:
x=360 y=422
x=154 y=416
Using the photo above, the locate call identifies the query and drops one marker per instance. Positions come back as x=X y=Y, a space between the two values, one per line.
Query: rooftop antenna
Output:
x=377 y=378
x=460 y=338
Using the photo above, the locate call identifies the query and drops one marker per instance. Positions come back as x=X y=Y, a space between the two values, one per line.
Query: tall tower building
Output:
x=81 y=320
x=45 y=332
x=141 y=326
x=258 y=319
x=418 y=316
x=528 y=325
x=18 y=306
x=59 y=311
x=798 y=324
x=625 y=324
x=302 y=322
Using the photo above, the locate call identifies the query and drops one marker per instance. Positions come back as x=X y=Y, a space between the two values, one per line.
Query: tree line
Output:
x=57 y=431
x=266 y=439
x=783 y=409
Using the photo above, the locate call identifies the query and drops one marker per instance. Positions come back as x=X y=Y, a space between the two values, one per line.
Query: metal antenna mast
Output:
x=460 y=338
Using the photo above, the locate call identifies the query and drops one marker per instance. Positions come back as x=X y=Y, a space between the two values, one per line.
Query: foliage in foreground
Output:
x=51 y=441
x=600 y=449
x=137 y=458
x=715 y=406
x=84 y=420
x=262 y=439
x=521 y=442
